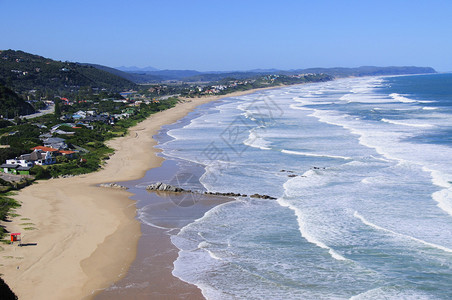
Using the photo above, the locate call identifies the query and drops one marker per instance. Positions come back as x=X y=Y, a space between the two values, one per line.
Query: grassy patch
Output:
x=26 y=224
x=30 y=228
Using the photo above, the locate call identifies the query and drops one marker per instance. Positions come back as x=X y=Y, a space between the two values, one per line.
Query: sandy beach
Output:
x=81 y=238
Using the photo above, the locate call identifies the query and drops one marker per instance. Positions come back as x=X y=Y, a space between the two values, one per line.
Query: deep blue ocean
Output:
x=361 y=169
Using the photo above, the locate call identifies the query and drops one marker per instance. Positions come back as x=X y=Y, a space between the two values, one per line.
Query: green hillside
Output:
x=23 y=72
x=12 y=105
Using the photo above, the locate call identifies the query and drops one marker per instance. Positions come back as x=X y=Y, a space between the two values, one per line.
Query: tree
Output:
x=57 y=109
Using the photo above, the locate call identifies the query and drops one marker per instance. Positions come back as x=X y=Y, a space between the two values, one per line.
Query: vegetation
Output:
x=34 y=75
x=20 y=138
x=11 y=105
x=6 y=204
x=6 y=292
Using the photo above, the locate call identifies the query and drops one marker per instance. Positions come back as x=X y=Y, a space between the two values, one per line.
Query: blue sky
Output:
x=232 y=35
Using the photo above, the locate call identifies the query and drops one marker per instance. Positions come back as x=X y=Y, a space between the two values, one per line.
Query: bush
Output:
x=40 y=173
x=5 y=205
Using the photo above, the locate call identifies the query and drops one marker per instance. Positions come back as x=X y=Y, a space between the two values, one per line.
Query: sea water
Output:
x=363 y=179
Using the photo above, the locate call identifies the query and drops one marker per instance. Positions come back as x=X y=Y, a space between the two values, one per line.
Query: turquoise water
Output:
x=361 y=169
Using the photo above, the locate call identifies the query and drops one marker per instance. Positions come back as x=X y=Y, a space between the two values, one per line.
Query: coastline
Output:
x=86 y=237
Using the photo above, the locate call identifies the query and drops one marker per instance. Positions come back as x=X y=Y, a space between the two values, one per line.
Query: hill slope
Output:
x=12 y=105
x=24 y=71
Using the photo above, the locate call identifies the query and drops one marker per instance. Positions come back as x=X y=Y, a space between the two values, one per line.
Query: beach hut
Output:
x=15 y=237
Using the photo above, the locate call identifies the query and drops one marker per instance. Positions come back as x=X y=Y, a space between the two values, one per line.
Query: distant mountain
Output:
x=208 y=77
x=23 y=71
x=196 y=76
x=366 y=71
x=157 y=76
x=137 y=69
x=174 y=74
x=12 y=105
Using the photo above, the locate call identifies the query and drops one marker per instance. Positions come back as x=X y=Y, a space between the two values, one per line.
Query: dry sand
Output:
x=84 y=237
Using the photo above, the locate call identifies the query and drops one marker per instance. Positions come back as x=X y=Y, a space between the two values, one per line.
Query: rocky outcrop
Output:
x=163 y=187
x=262 y=197
x=113 y=186
x=225 y=194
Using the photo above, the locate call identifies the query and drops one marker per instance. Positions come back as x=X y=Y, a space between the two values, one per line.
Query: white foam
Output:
x=401 y=98
x=293 y=106
x=305 y=233
x=142 y=217
x=444 y=196
x=256 y=141
x=315 y=154
x=444 y=199
x=390 y=293
x=203 y=245
x=419 y=125
x=370 y=224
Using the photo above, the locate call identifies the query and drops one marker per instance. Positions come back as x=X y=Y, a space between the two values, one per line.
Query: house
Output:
x=15 y=169
x=37 y=157
x=121 y=116
x=55 y=142
x=67 y=153
x=99 y=118
x=40 y=157
x=79 y=115
x=45 y=149
x=55 y=129
x=55 y=152
x=20 y=161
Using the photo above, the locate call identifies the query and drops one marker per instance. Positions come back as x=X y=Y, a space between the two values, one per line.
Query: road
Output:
x=50 y=109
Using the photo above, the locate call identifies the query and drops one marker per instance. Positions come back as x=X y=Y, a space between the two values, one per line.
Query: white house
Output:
x=37 y=157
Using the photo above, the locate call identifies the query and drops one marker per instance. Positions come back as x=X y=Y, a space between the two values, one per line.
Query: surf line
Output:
x=366 y=222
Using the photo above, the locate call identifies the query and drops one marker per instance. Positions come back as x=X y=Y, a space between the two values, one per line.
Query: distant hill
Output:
x=196 y=76
x=137 y=69
x=12 y=105
x=207 y=77
x=23 y=71
x=366 y=71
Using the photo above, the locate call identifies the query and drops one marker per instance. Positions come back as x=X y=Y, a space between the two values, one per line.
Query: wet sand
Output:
x=162 y=215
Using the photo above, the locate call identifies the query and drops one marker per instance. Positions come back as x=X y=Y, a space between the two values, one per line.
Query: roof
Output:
x=35 y=155
x=9 y=166
x=45 y=149
x=54 y=140
x=23 y=168
x=66 y=152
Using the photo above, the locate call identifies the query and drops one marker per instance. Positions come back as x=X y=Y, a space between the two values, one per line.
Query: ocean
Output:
x=361 y=171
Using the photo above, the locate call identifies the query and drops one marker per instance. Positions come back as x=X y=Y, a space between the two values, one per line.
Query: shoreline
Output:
x=79 y=230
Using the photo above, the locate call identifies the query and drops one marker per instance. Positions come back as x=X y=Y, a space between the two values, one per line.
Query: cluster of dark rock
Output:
x=225 y=194
x=263 y=197
x=290 y=173
x=163 y=187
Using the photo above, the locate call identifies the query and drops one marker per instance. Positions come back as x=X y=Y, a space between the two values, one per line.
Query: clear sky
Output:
x=232 y=35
